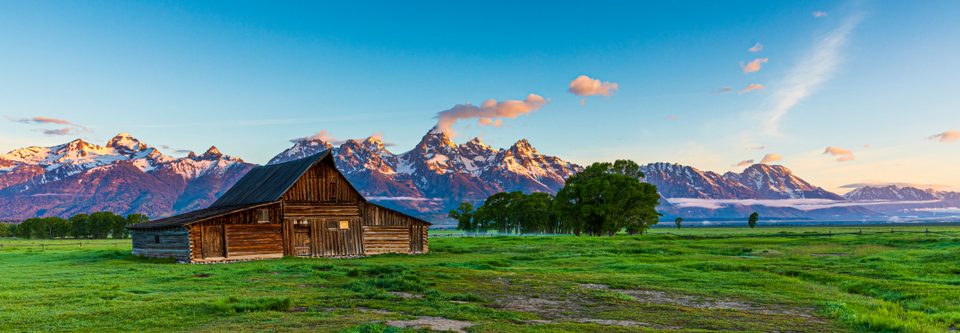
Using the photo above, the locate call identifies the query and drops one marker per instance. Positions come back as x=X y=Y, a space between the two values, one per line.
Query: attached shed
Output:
x=304 y=208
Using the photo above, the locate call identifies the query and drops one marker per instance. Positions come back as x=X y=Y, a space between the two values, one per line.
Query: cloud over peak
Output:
x=841 y=154
x=489 y=113
x=769 y=158
x=753 y=66
x=744 y=163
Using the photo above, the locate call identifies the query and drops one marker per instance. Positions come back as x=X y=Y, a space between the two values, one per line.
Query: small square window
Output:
x=263 y=215
x=344 y=225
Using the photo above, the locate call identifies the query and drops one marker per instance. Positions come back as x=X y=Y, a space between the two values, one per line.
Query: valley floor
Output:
x=699 y=280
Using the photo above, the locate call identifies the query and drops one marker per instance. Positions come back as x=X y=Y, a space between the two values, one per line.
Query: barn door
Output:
x=340 y=237
x=301 y=239
x=213 y=241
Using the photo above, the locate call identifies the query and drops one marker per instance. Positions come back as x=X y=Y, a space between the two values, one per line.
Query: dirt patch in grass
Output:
x=543 y=307
x=699 y=302
x=405 y=295
x=433 y=324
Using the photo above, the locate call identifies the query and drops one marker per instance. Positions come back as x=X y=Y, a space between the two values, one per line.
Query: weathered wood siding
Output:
x=386 y=239
x=168 y=243
x=331 y=241
x=254 y=240
x=230 y=222
x=322 y=183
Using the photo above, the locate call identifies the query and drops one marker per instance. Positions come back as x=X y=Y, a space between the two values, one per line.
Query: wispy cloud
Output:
x=671 y=117
x=744 y=163
x=770 y=158
x=751 y=87
x=758 y=147
x=489 y=111
x=723 y=90
x=753 y=66
x=815 y=68
x=756 y=48
x=948 y=136
x=841 y=154
x=69 y=128
x=818 y=14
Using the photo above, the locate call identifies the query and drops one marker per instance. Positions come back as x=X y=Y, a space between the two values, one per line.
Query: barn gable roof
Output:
x=267 y=183
x=261 y=186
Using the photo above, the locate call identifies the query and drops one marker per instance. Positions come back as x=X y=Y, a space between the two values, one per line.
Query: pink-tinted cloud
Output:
x=69 y=128
x=751 y=87
x=841 y=154
x=323 y=135
x=744 y=163
x=756 y=48
x=671 y=117
x=769 y=158
x=490 y=122
x=948 y=136
x=491 y=110
x=586 y=86
x=818 y=14
x=378 y=136
x=753 y=66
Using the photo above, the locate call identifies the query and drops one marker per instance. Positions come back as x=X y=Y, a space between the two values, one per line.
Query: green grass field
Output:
x=699 y=280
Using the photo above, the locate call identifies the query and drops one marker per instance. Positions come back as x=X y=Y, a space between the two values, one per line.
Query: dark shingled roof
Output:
x=267 y=183
x=194 y=216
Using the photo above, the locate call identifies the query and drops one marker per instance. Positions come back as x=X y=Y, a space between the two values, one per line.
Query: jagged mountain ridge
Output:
x=438 y=173
x=894 y=193
x=124 y=176
x=128 y=176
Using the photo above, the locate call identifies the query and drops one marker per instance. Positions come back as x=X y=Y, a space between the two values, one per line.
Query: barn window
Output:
x=263 y=215
x=344 y=225
x=156 y=239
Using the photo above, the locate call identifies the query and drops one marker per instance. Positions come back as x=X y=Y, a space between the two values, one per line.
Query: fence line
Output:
x=44 y=246
x=829 y=233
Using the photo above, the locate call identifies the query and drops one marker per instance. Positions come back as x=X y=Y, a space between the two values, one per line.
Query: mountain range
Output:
x=129 y=176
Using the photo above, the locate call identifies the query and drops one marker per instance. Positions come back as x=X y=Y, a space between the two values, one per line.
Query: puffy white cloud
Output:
x=753 y=66
x=586 y=86
x=490 y=112
x=841 y=154
x=948 y=136
x=769 y=158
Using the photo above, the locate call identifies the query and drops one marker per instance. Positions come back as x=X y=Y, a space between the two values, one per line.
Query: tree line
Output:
x=100 y=225
x=603 y=199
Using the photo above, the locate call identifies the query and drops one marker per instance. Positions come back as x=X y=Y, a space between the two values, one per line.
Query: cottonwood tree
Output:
x=608 y=197
x=464 y=216
x=678 y=221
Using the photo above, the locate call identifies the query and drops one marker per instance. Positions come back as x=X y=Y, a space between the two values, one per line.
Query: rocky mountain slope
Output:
x=124 y=176
x=129 y=176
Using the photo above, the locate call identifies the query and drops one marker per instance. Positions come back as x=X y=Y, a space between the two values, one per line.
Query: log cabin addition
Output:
x=303 y=208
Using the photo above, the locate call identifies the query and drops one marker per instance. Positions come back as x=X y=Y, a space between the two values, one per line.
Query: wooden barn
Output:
x=303 y=208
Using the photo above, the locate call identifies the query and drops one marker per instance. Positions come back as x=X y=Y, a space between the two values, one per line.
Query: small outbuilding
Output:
x=303 y=208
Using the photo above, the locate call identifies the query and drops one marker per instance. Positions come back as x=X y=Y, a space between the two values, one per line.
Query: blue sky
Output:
x=872 y=79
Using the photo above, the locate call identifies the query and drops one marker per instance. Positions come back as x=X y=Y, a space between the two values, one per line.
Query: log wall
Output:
x=173 y=243
x=229 y=221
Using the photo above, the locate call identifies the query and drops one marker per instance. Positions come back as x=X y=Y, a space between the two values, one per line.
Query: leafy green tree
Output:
x=79 y=227
x=101 y=224
x=752 y=221
x=120 y=224
x=678 y=221
x=608 y=197
x=464 y=216
x=6 y=229
x=59 y=227
x=533 y=213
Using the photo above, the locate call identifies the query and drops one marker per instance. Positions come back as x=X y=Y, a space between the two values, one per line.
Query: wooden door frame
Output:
x=223 y=240
x=310 y=237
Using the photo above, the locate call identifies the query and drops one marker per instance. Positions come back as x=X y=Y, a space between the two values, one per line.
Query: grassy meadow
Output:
x=689 y=280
